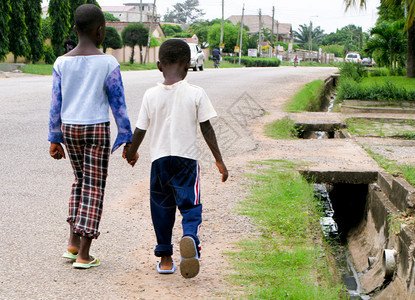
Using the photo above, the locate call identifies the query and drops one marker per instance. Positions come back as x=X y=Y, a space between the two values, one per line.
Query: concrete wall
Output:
x=123 y=55
x=385 y=227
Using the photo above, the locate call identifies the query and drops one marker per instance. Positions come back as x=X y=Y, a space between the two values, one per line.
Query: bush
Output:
x=379 y=72
x=354 y=71
x=48 y=54
x=349 y=89
x=397 y=72
x=256 y=62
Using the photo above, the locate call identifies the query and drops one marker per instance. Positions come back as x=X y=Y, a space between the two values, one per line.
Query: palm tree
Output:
x=410 y=29
x=302 y=36
x=388 y=41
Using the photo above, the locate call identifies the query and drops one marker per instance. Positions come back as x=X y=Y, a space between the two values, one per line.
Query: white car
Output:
x=197 y=59
x=353 y=57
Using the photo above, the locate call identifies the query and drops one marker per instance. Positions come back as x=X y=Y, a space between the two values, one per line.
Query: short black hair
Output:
x=87 y=17
x=174 y=51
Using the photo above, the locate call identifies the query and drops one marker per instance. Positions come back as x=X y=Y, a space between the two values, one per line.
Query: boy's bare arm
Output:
x=138 y=137
x=210 y=138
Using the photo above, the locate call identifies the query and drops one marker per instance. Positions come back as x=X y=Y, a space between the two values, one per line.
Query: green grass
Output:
x=223 y=64
x=392 y=167
x=382 y=127
x=39 y=69
x=313 y=64
x=281 y=129
x=289 y=260
x=307 y=99
x=399 y=81
x=138 y=66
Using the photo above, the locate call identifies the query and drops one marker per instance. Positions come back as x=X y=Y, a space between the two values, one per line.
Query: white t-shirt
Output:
x=171 y=114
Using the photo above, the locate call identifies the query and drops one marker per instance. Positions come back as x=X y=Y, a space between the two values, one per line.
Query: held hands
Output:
x=56 y=151
x=222 y=169
x=125 y=156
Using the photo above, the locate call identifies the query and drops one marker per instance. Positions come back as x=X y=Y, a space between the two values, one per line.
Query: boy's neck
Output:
x=174 y=73
x=85 y=47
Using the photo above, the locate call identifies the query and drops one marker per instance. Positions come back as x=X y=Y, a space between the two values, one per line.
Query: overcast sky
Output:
x=328 y=14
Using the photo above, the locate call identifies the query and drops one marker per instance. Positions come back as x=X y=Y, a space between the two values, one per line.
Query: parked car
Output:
x=368 y=62
x=197 y=59
x=353 y=57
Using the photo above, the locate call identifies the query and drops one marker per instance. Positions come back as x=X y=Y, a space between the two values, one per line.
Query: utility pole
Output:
x=260 y=34
x=242 y=30
x=149 y=33
x=221 y=29
x=311 y=39
x=272 y=30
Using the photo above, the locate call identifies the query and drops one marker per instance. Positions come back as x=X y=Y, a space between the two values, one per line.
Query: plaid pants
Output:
x=88 y=148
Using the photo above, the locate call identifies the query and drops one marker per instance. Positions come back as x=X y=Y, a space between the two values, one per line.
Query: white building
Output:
x=133 y=12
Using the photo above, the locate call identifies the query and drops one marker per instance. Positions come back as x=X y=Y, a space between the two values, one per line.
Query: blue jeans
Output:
x=174 y=183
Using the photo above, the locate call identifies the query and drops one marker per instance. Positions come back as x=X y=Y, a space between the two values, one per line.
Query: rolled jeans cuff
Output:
x=163 y=250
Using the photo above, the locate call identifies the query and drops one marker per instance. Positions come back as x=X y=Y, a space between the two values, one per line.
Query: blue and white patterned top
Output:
x=84 y=87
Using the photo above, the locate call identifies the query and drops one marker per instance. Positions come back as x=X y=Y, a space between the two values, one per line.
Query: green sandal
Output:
x=69 y=255
x=94 y=263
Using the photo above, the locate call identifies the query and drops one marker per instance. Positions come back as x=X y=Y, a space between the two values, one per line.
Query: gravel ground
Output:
x=35 y=189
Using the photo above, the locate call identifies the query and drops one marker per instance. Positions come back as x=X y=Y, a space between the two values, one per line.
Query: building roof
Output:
x=252 y=21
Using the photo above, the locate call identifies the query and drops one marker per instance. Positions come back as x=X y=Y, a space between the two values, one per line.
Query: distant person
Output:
x=69 y=44
x=86 y=82
x=216 y=57
x=171 y=112
x=295 y=61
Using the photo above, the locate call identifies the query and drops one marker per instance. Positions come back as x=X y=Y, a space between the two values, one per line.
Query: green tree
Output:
x=112 y=39
x=230 y=36
x=388 y=43
x=17 y=30
x=302 y=36
x=409 y=5
x=59 y=12
x=4 y=28
x=172 y=30
x=135 y=35
x=338 y=50
x=184 y=13
x=46 y=29
x=33 y=9
x=110 y=17
x=350 y=36
x=201 y=29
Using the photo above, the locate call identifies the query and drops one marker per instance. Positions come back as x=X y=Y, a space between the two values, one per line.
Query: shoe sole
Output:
x=189 y=265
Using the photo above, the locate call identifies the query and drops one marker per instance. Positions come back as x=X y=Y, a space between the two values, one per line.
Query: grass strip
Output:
x=381 y=127
x=289 y=260
x=307 y=99
x=281 y=129
x=38 y=69
x=392 y=167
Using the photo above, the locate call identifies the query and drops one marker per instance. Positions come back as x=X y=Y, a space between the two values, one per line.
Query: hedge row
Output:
x=349 y=89
x=255 y=61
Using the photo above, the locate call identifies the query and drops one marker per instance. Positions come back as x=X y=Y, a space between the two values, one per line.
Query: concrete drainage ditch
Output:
x=377 y=249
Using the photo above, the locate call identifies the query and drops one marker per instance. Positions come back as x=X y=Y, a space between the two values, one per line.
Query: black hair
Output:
x=87 y=17
x=174 y=51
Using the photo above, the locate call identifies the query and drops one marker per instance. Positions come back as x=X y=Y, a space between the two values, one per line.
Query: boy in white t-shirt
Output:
x=172 y=112
x=86 y=83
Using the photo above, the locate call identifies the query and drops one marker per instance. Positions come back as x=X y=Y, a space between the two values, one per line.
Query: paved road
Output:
x=34 y=188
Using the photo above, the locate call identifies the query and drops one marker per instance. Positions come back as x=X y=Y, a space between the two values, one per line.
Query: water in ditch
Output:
x=320 y=135
x=330 y=230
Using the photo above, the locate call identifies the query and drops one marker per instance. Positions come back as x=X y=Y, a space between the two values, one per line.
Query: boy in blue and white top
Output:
x=172 y=111
x=85 y=84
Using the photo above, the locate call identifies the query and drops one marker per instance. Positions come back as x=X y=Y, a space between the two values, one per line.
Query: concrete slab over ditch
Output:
x=349 y=177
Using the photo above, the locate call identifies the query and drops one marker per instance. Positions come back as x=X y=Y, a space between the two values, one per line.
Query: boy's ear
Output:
x=159 y=66
x=75 y=30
